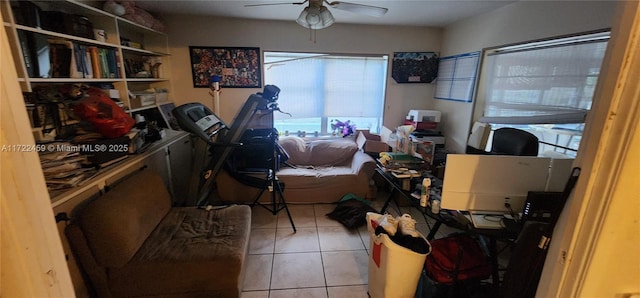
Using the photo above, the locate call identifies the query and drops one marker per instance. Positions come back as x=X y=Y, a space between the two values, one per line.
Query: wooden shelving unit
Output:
x=153 y=44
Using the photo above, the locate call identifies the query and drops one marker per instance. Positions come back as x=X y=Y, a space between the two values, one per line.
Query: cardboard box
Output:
x=371 y=143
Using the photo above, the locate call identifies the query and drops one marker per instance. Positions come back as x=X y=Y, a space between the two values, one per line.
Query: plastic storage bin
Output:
x=394 y=271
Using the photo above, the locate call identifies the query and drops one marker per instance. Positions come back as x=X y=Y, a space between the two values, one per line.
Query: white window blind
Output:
x=317 y=88
x=543 y=82
x=457 y=77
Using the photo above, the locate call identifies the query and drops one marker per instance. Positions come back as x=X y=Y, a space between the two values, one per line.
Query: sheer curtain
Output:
x=317 y=88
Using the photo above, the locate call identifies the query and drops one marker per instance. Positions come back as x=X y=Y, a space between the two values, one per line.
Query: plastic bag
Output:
x=107 y=117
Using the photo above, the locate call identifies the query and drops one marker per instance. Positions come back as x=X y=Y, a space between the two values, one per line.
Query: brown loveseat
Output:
x=325 y=171
x=131 y=242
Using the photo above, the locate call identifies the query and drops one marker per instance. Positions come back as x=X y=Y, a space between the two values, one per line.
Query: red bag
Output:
x=459 y=249
x=107 y=117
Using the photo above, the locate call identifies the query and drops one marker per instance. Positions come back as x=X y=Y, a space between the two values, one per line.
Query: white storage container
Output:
x=394 y=271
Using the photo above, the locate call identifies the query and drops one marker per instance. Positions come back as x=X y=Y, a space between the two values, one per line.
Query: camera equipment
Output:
x=246 y=152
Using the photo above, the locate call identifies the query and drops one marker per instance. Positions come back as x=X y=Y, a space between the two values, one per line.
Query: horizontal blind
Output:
x=353 y=87
x=323 y=85
x=543 y=84
x=457 y=77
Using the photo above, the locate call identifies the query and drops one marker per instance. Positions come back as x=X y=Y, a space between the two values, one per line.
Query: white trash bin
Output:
x=394 y=270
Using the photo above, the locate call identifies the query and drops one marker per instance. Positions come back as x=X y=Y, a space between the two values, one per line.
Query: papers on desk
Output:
x=405 y=173
x=487 y=220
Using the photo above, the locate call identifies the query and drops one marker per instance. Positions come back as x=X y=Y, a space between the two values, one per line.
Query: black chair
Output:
x=510 y=141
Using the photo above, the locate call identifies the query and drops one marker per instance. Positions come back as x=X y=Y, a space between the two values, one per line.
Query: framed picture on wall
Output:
x=237 y=67
x=414 y=67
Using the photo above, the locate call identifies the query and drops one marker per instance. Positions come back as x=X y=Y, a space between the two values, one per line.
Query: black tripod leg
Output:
x=278 y=189
x=255 y=201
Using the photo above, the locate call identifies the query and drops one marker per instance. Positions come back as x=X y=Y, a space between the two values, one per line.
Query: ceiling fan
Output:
x=317 y=16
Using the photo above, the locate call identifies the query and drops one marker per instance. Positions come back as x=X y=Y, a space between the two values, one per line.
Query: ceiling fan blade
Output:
x=281 y=3
x=369 y=10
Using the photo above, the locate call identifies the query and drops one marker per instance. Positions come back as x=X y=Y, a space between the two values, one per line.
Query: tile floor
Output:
x=323 y=259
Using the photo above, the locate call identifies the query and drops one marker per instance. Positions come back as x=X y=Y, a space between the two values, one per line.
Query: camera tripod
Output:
x=277 y=198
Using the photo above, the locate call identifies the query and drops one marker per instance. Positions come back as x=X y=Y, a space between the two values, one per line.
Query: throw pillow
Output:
x=332 y=152
x=297 y=150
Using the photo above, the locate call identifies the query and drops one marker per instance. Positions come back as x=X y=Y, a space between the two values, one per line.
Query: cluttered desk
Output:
x=487 y=196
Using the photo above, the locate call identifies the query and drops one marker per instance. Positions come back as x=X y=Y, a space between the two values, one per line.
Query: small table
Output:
x=447 y=217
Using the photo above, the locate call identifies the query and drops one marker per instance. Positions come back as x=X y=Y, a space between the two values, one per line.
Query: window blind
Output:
x=544 y=82
x=457 y=77
x=319 y=86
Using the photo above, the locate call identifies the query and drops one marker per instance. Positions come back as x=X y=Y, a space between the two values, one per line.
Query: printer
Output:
x=427 y=124
x=424 y=116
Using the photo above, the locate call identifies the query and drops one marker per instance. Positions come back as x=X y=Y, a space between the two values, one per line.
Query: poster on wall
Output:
x=237 y=67
x=414 y=67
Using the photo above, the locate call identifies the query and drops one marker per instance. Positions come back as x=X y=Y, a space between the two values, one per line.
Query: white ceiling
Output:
x=437 y=13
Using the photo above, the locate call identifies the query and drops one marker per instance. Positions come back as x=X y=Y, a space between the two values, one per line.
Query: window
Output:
x=544 y=87
x=318 y=88
x=457 y=77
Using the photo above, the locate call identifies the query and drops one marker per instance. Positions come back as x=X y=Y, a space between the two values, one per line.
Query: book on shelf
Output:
x=29 y=53
x=104 y=65
x=63 y=59
x=83 y=61
x=89 y=63
x=118 y=64
x=60 y=60
x=95 y=61
x=111 y=63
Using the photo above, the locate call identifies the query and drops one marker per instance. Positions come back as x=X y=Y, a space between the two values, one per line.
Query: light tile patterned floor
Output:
x=323 y=259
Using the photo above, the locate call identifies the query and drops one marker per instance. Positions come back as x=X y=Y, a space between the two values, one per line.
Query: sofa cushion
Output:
x=296 y=148
x=192 y=250
x=332 y=152
x=141 y=207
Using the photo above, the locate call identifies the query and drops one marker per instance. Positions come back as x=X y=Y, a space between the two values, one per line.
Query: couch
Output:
x=131 y=242
x=320 y=171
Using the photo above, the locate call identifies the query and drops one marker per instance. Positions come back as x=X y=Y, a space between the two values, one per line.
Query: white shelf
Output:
x=147 y=79
x=142 y=108
x=66 y=36
x=154 y=43
x=143 y=51
x=73 y=80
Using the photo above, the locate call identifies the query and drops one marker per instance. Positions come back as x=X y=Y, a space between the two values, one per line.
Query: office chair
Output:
x=512 y=141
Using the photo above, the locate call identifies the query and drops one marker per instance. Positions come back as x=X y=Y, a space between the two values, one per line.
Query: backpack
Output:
x=456 y=258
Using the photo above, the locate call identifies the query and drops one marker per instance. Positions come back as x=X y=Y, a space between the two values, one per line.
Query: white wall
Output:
x=188 y=30
x=518 y=22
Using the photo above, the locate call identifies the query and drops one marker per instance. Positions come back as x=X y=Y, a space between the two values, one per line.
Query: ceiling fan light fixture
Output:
x=315 y=18
x=327 y=17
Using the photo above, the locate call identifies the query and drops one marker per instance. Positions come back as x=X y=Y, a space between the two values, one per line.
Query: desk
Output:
x=446 y=217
